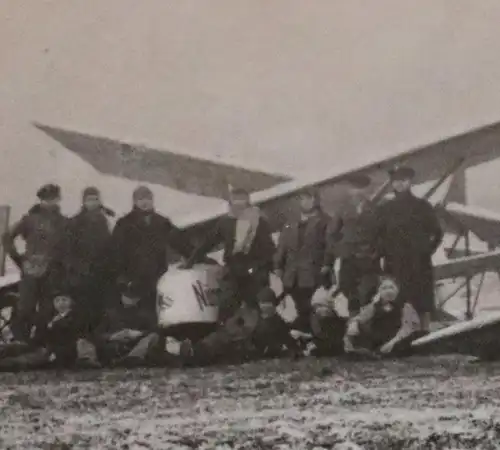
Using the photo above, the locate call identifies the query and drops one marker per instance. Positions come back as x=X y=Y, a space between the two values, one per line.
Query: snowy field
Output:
x=319 y=85
x=443 y=403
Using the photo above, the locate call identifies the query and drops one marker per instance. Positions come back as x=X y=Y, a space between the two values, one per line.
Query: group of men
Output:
x=85 y=284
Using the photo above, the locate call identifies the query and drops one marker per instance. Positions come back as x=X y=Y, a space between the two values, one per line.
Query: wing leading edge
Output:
x=430 y=162
x=475 y=147
x=144 y=164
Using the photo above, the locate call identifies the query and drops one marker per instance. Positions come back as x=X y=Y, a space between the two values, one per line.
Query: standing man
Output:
x=248 y=253
x=42 y=266
x=140 y=244
x=359 y=258
x=90 y=238
x=301 y=260
x=410 y=233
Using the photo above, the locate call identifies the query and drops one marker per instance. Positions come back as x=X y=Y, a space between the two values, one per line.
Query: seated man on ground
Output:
x=128 y=333
x=249 y=334
x=383 y=326
x=327 y=326
x=54 y=345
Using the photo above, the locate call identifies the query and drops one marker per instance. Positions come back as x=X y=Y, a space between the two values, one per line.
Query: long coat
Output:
x=410 y=233
x=140 y=243
x=302 y=252
x=90 y=238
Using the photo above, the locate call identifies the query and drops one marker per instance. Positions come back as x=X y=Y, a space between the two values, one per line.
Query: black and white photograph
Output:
x=249 y=224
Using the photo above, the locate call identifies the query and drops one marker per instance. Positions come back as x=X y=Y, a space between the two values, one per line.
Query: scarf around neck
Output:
x=246 y=229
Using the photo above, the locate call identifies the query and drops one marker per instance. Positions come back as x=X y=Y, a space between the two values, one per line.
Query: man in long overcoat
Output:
x=140 y=244
x=89 y=246
x=303 y=259
x=410 y=233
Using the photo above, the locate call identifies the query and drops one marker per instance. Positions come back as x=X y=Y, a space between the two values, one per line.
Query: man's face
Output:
x=358 y=195
x=388 y=291
x=323 y=311
x=145 y=203
x=92 y=202
x=52 y=203
x=267 y=309
x=307 y=203
x=401 y=185
x=62 y=304
x=239 y=203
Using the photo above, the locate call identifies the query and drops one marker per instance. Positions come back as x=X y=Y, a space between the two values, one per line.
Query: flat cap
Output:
x=142 y=192
x=49 y=192
x=90 y=191
x=402 y=173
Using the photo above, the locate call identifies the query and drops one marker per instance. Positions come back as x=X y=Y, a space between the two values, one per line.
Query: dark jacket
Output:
x=120 y=318
x=140 y=245
x=408 y=225
x=271 y=334
x=60 y=336
x=409 y=233
x=90 y=239
x=359 y=232
x=45 y=234
x=304 y=248
x=261 y=251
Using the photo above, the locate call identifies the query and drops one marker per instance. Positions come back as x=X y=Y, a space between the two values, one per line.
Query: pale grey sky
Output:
x=288 y=85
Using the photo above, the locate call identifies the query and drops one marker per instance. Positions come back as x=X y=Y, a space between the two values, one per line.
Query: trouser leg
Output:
x=358 y=281
x=24 y=317
x=230 y=298
x=302 y=299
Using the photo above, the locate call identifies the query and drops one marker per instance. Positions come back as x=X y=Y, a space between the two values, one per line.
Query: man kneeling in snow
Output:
x=383 y=325
x=251 y=333
x=127 y=334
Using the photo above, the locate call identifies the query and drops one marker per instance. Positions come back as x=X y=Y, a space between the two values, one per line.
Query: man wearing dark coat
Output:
x=357 y=249
x=43 y=264
x=410 y=233
x=140 y=243
x=248 y=253
x=302 y=260
x=89 y=246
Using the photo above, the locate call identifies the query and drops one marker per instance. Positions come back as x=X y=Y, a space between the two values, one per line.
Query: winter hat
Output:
x=267 y=295
x=142 y=192
x=402 y=173
x=90 y=191
x=312 y=193
x=49 y=192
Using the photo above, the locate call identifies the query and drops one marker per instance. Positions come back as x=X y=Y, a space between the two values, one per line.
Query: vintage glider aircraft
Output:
x=188 y=297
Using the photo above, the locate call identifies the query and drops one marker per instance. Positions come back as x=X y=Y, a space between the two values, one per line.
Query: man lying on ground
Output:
x=382 y=326
x=251 y=333
x=127 y=335
x=54 y=345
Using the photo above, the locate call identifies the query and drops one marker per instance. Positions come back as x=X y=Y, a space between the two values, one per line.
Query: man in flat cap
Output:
x=248 y=252
x=90 y=238
x=302 y=261
x=44 y=230
x=357 y=249
x=410 y=233
x=140 y=243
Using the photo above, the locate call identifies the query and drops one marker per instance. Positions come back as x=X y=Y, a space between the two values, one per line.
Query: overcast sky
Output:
x=289 y=85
